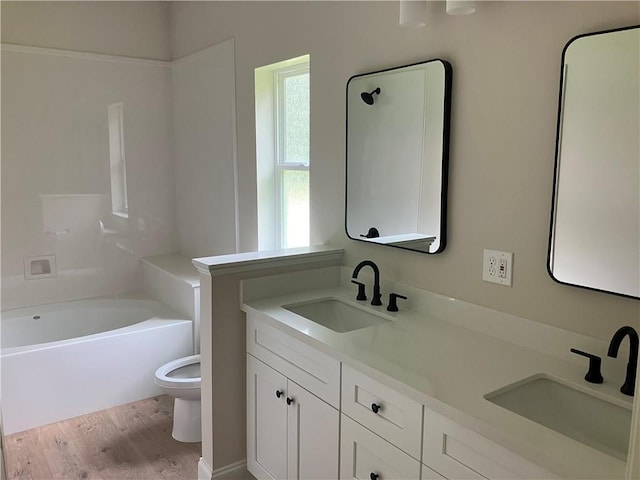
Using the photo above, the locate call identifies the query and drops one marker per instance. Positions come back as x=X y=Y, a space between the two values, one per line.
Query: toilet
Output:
x=181 y=379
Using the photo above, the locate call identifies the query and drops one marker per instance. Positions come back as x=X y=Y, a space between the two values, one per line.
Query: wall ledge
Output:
x=254 y=261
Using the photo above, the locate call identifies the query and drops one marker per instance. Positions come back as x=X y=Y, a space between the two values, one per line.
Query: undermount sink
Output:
x=336 y=314
x=581 y=416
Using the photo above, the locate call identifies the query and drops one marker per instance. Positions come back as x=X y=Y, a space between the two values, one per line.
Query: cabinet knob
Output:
x=278 y=393
x=374 y=476
x=289 y=400
x=376 y=408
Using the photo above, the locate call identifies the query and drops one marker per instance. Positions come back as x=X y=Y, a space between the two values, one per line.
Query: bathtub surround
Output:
x=204 y=151
x=61 y=205
x=173 y=280
x=90 y=355
x=55 y=116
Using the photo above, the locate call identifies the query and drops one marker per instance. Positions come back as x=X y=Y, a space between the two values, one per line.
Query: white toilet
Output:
x=181 y=380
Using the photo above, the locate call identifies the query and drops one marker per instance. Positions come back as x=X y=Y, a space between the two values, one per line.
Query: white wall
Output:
x=203 y=86
x=506 y=72
x=56 y=172
x=129 y=28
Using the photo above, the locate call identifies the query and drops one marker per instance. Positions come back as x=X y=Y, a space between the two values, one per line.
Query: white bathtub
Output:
x=67 y=359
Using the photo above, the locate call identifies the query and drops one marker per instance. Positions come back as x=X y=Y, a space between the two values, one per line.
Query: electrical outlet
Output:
x=497 y=267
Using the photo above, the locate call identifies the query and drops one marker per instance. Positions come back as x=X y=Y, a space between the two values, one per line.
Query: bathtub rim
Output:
x=162 y=316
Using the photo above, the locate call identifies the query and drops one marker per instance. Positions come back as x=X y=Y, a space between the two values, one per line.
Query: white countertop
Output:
x=449 y=368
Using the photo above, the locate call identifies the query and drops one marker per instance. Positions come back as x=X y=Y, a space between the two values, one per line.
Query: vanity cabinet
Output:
x=366 y=456
x=382 y=410
x=310 y=368
x=292 y=434
x=311 y=417
x=460 y=454
x=292 y=431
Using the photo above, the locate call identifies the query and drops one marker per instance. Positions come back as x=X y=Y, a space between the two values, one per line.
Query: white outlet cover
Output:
x=497 y=267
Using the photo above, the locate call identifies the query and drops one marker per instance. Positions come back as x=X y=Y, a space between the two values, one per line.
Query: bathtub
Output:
x=67 y=359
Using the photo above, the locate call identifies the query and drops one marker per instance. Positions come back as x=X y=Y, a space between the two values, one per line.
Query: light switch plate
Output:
x=497 y=267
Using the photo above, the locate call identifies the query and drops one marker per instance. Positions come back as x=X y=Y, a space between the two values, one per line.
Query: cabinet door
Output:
x=313 y=436
x=266 y=421
x=365 y=456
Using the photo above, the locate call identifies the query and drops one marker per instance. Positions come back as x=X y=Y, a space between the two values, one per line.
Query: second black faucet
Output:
x=377 y=296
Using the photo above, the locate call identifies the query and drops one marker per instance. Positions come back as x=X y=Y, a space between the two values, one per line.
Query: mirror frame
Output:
x=557 y=163
x=446 y=134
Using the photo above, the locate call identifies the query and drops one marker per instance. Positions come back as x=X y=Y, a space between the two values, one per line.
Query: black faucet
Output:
x=377 y=297
x=629 y=384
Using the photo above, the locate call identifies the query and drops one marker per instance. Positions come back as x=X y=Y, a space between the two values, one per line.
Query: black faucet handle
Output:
x=593 y=375
x=393 y=304
x=361 y=294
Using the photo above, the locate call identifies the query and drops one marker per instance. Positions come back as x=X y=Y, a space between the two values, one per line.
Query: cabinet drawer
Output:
x=398 y=418
x=365 y=456
x=309 y=368
x=459 y=453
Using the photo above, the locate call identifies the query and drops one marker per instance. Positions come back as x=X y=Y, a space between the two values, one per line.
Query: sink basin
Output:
x=586 y=418
x=336 y=314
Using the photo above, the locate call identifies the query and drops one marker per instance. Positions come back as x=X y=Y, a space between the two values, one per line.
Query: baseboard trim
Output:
x=235 y=470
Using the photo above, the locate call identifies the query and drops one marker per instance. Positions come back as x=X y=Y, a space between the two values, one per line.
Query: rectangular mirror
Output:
x=595 y=221
x=397 y=156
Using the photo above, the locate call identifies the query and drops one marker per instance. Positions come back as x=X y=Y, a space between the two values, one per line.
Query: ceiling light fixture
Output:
x=413 y=13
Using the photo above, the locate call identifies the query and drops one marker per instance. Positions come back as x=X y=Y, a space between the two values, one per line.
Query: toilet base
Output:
x=187 y=416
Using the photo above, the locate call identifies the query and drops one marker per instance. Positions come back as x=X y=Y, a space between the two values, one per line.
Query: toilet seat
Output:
x=166 y=376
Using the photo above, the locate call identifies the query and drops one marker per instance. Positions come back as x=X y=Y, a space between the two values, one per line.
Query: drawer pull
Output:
x=289 y=400
x=278 y=393
x=374 y=476
x=375 y=408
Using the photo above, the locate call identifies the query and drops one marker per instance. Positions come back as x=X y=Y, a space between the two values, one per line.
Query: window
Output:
x=119 y=201
x=282 y=141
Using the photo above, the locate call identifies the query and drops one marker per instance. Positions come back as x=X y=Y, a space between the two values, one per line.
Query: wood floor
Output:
x=131 y=441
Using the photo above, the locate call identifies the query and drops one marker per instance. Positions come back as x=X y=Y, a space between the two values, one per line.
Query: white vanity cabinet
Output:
x=385 y=434
x=366 y=456
x=458 y=453
x=382 y=410
x=292 y=432
x=381 y=431
x=311 y=417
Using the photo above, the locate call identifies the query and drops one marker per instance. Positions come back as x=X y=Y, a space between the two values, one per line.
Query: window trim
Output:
x=280 y=75
x=269 y=103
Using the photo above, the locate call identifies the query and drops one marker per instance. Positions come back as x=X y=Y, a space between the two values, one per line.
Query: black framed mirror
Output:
x=594 y=239
x=397 y=156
